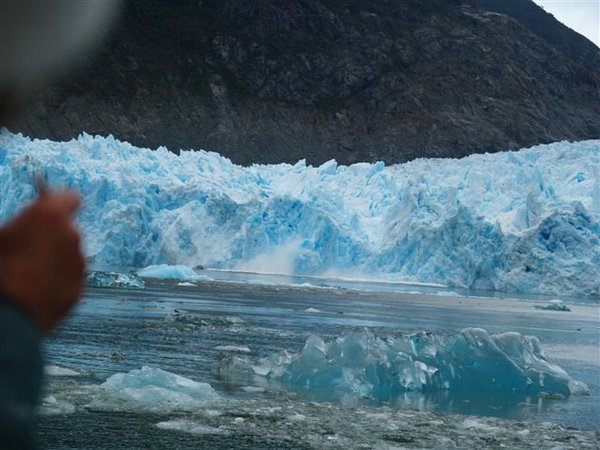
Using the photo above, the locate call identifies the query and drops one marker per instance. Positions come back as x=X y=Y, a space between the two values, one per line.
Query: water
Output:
x=115 y=330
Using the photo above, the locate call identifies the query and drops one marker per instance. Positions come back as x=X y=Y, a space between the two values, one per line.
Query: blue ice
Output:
x=523 y=221
x=364 y=365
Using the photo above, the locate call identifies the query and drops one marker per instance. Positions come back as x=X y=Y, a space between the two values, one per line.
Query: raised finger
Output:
x=66 y=202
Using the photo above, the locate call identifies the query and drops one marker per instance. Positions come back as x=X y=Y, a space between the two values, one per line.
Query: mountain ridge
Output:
x=267 y=82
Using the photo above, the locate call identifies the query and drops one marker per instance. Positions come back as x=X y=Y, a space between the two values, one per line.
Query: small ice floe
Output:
x=479 y=424
x=253 y=389
x=296 y=417
x=188 y=426
x=448 y=294
x=312 y=310
x=186 y=283
x=57 y=371
x=232 y=348
x=554 y=305
x=52 y=407
x=154 y=390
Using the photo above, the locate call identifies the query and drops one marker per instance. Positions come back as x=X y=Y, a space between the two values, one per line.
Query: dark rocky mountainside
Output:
x=271 y=81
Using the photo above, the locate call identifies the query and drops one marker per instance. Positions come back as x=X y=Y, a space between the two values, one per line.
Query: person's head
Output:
x=39 y=37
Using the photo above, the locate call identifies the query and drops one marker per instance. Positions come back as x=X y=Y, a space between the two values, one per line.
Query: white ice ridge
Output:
x=364 y=365
x=523 y=221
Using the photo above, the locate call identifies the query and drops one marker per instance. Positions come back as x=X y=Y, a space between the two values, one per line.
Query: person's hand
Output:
x=41 y=264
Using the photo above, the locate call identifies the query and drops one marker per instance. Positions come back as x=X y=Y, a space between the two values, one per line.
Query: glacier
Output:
x=364 y=365
x=523 y=221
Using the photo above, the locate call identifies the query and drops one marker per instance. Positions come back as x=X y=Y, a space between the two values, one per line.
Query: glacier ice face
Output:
x=152 y=389
x=113 y=280
x=525 y=221
x=363 y=365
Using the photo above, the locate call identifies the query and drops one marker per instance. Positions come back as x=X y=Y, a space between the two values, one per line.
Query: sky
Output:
x=582 y=16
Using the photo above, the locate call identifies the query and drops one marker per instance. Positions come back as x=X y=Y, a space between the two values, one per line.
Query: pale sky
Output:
x=582 y=16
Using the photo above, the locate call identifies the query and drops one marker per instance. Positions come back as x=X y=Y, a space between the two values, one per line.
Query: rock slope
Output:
x=268 y=81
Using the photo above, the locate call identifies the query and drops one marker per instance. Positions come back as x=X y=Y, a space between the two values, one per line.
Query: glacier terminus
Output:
x=526 y=221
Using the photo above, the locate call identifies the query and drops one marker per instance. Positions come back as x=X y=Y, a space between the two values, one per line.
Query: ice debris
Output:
x=554 y=305
x=113 y=280
x=524 y=221
x=155 y=390
x=233 y=348
x=51 y=406
x=364 y=365
x=57 y=371
x=188 y=426
x=183 y=320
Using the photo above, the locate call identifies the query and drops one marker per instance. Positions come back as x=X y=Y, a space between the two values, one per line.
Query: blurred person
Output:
x=41 y=263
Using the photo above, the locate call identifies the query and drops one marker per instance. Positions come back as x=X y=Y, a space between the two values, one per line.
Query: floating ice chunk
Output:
x=189 y=426
x=190 y=321
x=448 y=294
x=368 y=366
x=51 y=406
x=554 y=305
x=253 y=389
x=478 y=424
x=113 y=280
x=297 y=417
x=232 y=348
x=57 y=371
x=186 y=283
x=152 y=389
x=177 y=272
x=312 y=310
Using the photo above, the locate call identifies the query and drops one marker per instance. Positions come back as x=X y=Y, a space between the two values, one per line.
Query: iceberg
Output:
x=524 y=221
x=364 y=365
x=154 y=390
x=113 y=280
x=168 y=272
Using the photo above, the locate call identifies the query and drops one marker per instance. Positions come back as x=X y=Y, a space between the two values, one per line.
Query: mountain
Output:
x=269 y=81
x=546 y=26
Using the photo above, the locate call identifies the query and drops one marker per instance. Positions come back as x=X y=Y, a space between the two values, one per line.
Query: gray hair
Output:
x=38 y=37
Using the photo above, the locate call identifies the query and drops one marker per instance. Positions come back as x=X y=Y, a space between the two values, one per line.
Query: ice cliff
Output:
x=368 y=366
x=525 y=221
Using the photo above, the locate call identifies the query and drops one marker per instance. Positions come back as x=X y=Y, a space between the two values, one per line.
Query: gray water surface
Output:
x=116 y=330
